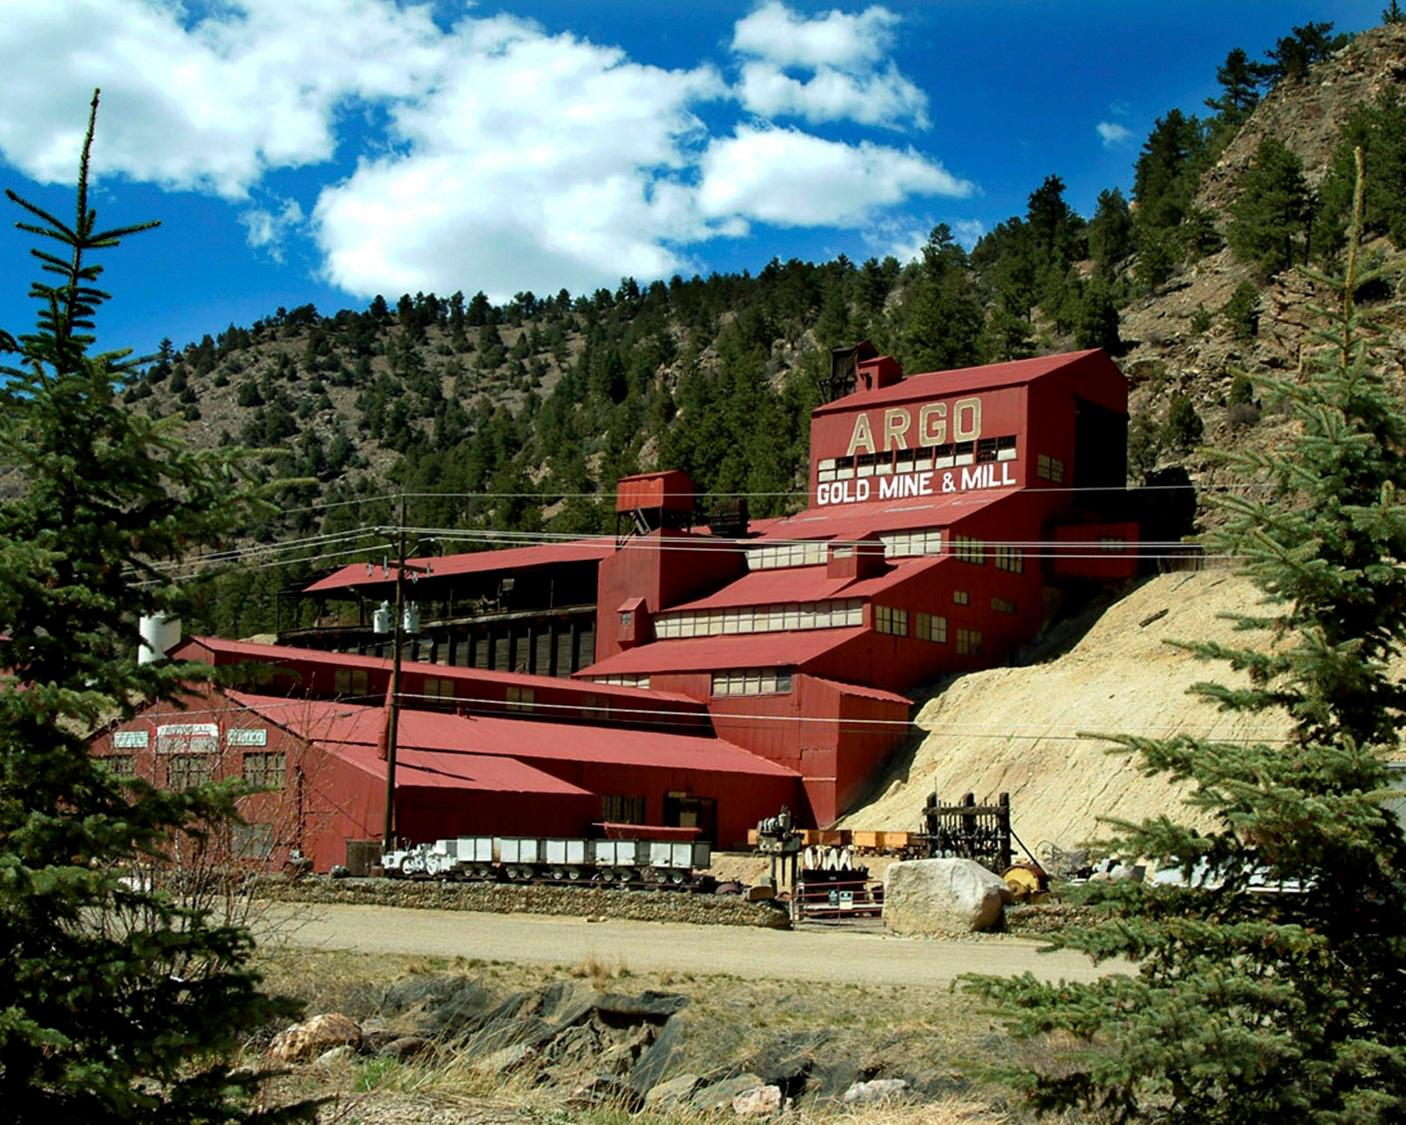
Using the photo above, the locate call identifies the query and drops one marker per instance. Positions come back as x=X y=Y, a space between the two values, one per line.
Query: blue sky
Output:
x=325 y=150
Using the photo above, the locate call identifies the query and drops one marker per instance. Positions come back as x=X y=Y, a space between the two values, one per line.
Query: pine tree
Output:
x=116 y=1002
x=1270 y=1007
x=1239 y=81
x=1270 y=218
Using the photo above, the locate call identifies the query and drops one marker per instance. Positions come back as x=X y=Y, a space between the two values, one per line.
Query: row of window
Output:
x=622 y=681
x=811 y=553
x=262 y=770
x=1005 y=556
x=761 y=619
x=752 y=681
x=905 y=544
x=947 y=456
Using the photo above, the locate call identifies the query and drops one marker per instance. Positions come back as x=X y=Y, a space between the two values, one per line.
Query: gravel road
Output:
x=829 y=956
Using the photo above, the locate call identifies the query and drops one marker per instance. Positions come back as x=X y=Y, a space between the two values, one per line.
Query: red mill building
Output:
x=943 y=510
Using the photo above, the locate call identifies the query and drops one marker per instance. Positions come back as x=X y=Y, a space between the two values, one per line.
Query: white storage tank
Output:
x=159 y=635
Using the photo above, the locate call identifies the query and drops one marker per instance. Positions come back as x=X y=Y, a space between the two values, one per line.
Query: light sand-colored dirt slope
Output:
x=1015 y=729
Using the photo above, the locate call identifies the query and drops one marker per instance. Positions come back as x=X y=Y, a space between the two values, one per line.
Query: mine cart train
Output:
x=527 y=859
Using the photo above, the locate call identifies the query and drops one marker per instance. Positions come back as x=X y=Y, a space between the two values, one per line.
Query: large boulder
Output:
x=315 y=1037
x=925 y=896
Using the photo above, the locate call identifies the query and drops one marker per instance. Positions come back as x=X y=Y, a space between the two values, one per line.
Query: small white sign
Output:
x=253 y=737
x=187 y=738
x=130 y=740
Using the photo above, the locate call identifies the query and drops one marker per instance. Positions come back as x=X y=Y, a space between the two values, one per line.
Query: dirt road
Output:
x=858 y=958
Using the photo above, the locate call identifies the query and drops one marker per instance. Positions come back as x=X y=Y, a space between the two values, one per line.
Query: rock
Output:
x=876 y=1090
x=345 y=1053
x=655 y=1059
x=673 y=1093
x=760 y=893
x=505 y=1059
x=603 y=1090
x=448 y=1005
x=314 y=1037
x=760 y=1101
x=656 y=1007
x=719 y=1095
x=406 y=1048
x=924 y=896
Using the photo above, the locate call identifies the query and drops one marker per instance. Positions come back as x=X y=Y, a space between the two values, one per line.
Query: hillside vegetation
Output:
x=520 y=416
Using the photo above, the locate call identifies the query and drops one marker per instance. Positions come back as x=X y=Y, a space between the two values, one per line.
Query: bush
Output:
x=1184 y=426
x=1242 y=312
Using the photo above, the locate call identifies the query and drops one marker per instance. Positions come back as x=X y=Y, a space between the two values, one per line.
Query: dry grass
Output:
x=894 y=1031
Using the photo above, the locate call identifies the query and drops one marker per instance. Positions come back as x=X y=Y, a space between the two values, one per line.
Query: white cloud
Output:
x=882 y=98
x=494 y=155
x=845 y=55
x=210 y=104
x=539 y=160
x=790 y=178
x=268 y=230
x=1113 y=134
x=775 y=33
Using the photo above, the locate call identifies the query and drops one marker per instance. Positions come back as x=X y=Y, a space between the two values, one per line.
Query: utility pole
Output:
x=397 y=642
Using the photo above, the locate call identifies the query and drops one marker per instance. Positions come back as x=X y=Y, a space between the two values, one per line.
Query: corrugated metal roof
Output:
x=865 y=692
x=287 y=654
x=473 y=562
x=935 y=384
x=707 y=654
x=848 y=522
x=804 y=584
x=437 y=769
x=525 y=740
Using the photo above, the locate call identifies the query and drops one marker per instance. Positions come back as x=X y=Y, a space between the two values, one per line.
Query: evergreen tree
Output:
x=1239 y=79
x=118 y=1003
x=942 y=318
x=1269 y=1007
x=1110 y=232
x=1270 y=217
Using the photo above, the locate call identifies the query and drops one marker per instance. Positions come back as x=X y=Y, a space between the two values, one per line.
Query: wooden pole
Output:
x=393 y=718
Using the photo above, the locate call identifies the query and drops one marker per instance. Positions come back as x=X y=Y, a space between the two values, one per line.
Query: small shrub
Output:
x=1201 y=320
x=1242 y=312
x=1184 y=426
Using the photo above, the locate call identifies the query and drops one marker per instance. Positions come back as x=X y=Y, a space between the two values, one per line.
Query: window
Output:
x=1049 y=468
x=622 y=681
x=969 y=642
x=520 y=698
x=438 y=688
x=185 y=771
x=121 y=764
x=352 y=681
x=761 y=619
x=251 y=841
x=904 y=544
x=1001 y=605
x=786 y=555
x=888 y=619
x=265 y=770
x=968 y=549
x=1009 y=558
x=961 y=597
x=932 y=628
x=1005 y=448
x=752 y=681
x=619 y=809
x=627 y=618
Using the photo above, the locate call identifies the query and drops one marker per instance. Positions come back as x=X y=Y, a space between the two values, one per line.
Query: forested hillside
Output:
x=521 y=416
